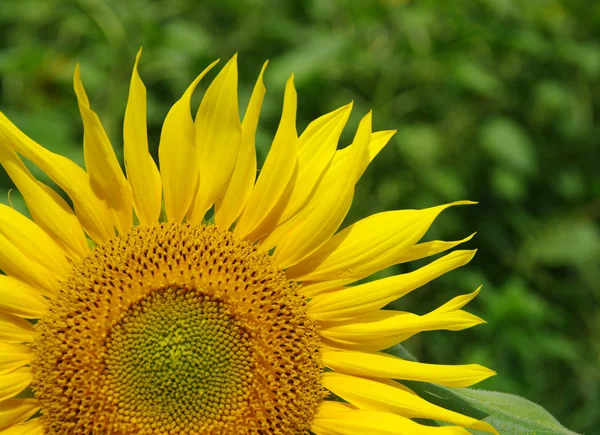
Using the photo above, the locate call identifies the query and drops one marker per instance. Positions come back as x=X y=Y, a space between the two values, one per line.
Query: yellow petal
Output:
x=31 y=427
x=378 y=396
x=242 y=179
x=15 y=263
x=14 y=329
x=142 y=172
x=14 y=382
x=381 y=365
x=47 y=208
x=20 y=299
x=331 y=420
x=13 y=356
x=91 y=210
x=422 y=250
x=317 y=145
x=418 y=251
x=260 y=215
x=178 y=155
x=427 y=249
x=367 y=246
x=106 y=177
x=218 y=137
x=320 y=219
x=15 y=411
x=33 y=241
x=360 y=299
x=379 y=140
x=385 y=328
x=456 y=303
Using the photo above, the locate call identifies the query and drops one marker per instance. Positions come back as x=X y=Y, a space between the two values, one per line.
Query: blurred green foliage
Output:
x=494 y=101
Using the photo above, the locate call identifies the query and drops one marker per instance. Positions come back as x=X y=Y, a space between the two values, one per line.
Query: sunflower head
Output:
x=203 y=298
x=177 y=328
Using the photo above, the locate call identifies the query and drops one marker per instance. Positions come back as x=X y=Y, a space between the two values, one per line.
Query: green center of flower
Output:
x=178 y=354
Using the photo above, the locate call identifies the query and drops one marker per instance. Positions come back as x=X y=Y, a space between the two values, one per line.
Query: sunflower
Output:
x=202 y=299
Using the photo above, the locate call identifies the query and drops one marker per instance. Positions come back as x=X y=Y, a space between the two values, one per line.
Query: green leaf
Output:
x=509 y=414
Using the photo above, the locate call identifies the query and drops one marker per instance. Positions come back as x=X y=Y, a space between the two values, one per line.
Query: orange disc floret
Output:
x=177 y=329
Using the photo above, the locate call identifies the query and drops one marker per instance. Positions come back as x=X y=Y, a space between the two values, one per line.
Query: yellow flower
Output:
x=148 y=319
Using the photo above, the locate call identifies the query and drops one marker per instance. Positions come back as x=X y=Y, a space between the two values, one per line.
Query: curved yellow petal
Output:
x=15 y=411
x=228 y=209
x=33 y=241
x=218 y=137
x=142 y=173
x=263 y=207
x=14 y=382
x=30 y=427
x=13 y=356
x=106 y=177
x=360 y=299
x=447 y=317
x=379 y=140
x=316 y=147
x=89 y=208
x=15 y=263
x=320 y=219
x=378 y=396
x=456 y=303
x=14 y=329
x=20 y=299
x=373 y=328
x=47 y=208
x=427 y=249
x=311 y=289
x=330 y=419
x=367 y=246
x=178 y=155
x=381 y=365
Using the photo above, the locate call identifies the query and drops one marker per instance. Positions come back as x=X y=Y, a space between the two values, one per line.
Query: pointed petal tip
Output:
x=485 y=371
x=77 y=84
x=368 y=119
x=470 y=253
x=343 y=110
x=464 y=252
x=137 y=62
x=346 y=107
x=463 y=202
x=469 y=237
x=190 y=90
x=232 y=63
x=477 y=320
x=262 y=73
x=261 y=80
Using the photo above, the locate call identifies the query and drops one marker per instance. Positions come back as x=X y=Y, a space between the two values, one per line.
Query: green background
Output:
x=494 y=101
